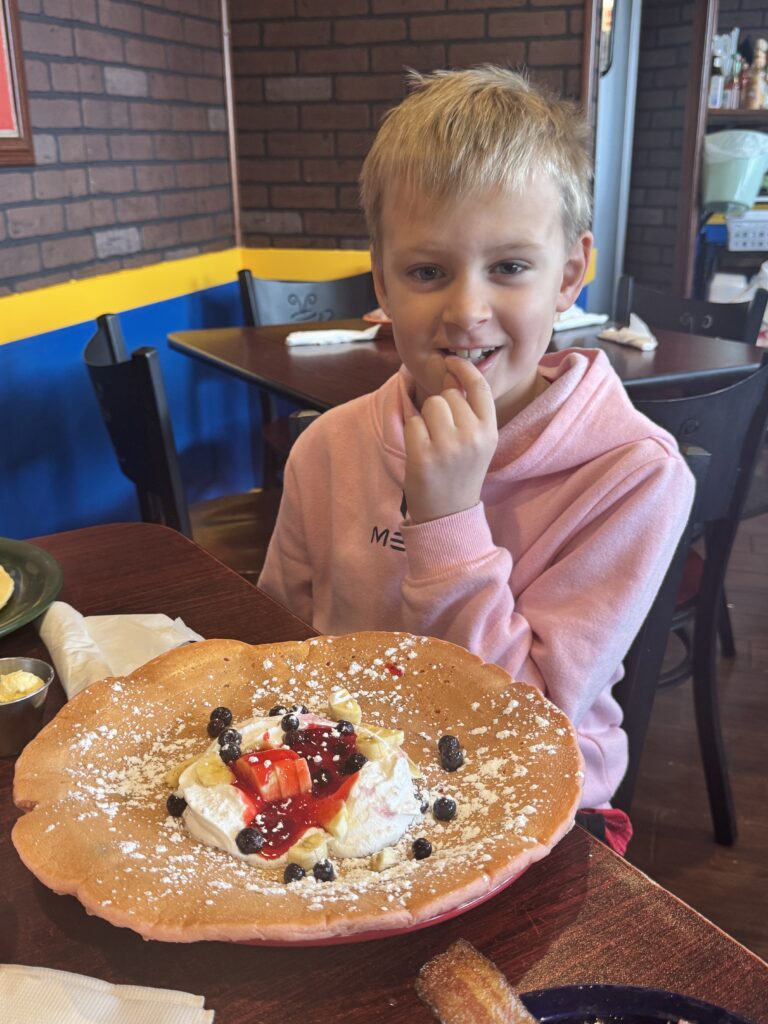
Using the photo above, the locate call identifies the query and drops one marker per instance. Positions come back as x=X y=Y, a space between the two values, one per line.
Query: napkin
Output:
x=85 y=649
x=334 y=336
x=30 y=995
x=575 y=316
x=637 y=334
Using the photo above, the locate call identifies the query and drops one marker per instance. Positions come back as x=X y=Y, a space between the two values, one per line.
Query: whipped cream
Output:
x=381 y=804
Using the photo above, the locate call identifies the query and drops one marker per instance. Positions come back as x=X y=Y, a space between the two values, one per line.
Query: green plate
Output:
x=37 y=577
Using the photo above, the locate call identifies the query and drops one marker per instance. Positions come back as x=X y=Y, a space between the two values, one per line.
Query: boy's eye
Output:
x=426 y=273
x=508 y=267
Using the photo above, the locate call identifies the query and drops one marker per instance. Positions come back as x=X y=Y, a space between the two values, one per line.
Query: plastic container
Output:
x=733 y=169
x=748 y=232
x=22 y=719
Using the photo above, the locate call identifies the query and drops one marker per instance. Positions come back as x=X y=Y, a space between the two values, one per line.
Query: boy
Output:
x=506 y=500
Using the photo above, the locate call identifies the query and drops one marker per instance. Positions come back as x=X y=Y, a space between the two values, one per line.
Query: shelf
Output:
x=746 y=118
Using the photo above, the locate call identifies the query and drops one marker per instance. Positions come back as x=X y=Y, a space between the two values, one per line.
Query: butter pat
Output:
x=18 y=684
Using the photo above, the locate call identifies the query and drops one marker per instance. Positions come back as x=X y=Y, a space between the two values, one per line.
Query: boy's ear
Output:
x=574 y=271
x=378 y=280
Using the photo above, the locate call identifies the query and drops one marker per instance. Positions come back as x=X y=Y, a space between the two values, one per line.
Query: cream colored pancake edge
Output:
x=6 y=587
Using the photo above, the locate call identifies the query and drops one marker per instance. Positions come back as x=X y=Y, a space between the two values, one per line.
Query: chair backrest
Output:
x=739 y=321
x=134 y=407
x=719 y=433
x=283 y=302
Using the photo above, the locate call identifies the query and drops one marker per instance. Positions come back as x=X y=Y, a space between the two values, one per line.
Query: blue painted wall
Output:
x=58 y=470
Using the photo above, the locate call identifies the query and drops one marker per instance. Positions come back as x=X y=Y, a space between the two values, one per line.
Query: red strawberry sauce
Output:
x=284 y=822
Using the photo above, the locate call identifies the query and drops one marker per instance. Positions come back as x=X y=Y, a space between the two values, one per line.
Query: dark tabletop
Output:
x=581 y=915
x=325 y=376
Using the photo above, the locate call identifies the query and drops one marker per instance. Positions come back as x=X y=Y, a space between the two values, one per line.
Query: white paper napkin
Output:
x=85 y=649
x=575 y=317
x=331 y=337
x=37 y=995
x=638 y=334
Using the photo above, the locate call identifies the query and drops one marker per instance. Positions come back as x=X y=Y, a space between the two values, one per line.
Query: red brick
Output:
x=213 y=200
x=55 y=113
x=527 y=25
x=145 y=54
x=369 y=30
x=224 y=224
x=448 y=26
x=213 y=63
x=198 y=229
x=253 y=195
x=173 y=147
x=71 y=10
x=193 y=175
x=331 y=170
x=303 y=196
x=30 y=284
x=131 y=147
x=201 y=33
x=552 y=78
x=187 y=60
x=167 y=87
x=261 y=117
x=205 y=90
x=287 y=221
x=123 y=81
x=65 y=251
x=2 y=239
x=306 y=143
x=136 y=208
x=58 y=184
x=89 y=214
x=80 y=149
x=163 y=26
x=349 y=197
x=38 y=78
x=101 y=46
x=298 y=88
x=326 y=117
x=159 y=236
x=110 y=179
x=251 y=144
x=342 y=222
x=151 y=117
x=354 y=143
x=269 y=170
x=105 y=114
x=243 y=9
x=369 y=87
x=331 y=8
x=333 y=59
x=406 y=6
x=248 y=90
x=295 y=34
x=576 y=22
x=209 y=147
x=154 y=177
x=246 y=35
x=188 y=119
x=178 y=204
x=267 y=62
x=38 y=37
x=124 y=17
x=40 y=219
x=554 y=52
x=17 y=188
x=394 y=58
x=77 y=78
x=220 y=173
x=16 y=260
x=465 y=55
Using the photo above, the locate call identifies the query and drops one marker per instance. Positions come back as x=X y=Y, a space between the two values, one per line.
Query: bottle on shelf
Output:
x=732 y=95
x=756 y=86
x=716 y=85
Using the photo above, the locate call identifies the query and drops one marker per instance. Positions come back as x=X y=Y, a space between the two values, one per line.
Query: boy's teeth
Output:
x=473 y=354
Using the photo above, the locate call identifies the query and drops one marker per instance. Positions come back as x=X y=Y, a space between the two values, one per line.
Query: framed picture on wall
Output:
x=15 y=134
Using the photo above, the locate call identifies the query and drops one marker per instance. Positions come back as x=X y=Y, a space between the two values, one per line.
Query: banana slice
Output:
x=383 y=859
x=338 y=825
x=173 y=775
x=311 y=848
x=343 y=705
x=373 y=748
x=211 y=771
x=392 y=737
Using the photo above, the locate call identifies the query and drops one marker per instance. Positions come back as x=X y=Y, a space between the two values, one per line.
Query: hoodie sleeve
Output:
x=287 y=572
x=569 y=629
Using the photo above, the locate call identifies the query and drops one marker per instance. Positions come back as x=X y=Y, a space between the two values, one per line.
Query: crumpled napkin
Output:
x=637 y=335
x=85 y=649
x=334 y=336
x=575 y=317
x=29 y=995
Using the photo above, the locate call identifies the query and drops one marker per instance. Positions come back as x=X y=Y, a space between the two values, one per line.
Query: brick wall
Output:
x=129 y=128
x=751 y=16
x=662 y=88
x=313 y=78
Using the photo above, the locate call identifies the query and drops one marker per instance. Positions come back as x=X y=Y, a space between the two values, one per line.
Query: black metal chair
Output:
x=131 y=395
x=738 y=321
x=296 y=302
x=721 y=432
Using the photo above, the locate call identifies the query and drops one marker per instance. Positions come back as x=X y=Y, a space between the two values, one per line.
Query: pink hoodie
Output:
x=550 y=576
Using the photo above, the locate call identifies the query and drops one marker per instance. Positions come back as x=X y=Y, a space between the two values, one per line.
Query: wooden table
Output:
x=581 y=915
x=324 y=376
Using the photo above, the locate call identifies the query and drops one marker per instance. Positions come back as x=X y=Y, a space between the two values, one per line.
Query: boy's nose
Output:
x=466 y=306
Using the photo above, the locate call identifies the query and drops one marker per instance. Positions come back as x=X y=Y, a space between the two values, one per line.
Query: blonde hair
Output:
x=466 y=131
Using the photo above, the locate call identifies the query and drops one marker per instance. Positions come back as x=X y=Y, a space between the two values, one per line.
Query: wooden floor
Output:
x=673 y=838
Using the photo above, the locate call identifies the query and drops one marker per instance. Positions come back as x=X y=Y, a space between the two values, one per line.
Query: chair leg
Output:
x=705 y=701
x=725 y=629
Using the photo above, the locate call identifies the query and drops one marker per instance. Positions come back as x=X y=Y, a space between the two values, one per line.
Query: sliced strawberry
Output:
x=293 y=777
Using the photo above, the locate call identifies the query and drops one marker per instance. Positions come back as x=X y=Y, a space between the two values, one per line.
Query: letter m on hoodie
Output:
x=379 y=536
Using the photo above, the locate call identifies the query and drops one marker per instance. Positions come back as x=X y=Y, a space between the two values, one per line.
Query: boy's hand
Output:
x=449 y=446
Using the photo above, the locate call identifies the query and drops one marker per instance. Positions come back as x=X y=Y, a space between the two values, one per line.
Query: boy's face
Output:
x=483 y=274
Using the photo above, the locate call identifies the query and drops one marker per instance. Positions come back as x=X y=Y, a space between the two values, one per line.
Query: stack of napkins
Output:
x=637 y=334
x=575 y=317
x=334 y=336
x=36 y=995
x=85 y=649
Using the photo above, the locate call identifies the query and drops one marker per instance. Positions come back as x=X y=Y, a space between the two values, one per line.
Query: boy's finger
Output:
x=475 y=386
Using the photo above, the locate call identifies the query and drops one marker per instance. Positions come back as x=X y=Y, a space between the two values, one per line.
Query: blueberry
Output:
x=451 y=756
x=231 y=737
x=323 y=871
x=444 y=808
x=321 y=777
x=344 y=728
x=278 y=709
x=293 y=873
x=290 y=723
x=219 y=720
x=422 y=848
x=229 y=752
x=299 y=709
x=176 y=805
x=249 y=840
x=354 y=763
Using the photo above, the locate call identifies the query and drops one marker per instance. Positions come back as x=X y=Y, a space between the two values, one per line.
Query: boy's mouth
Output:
x=474 y=355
